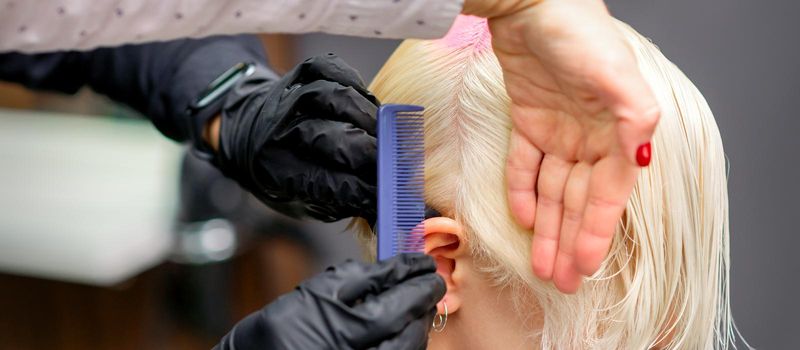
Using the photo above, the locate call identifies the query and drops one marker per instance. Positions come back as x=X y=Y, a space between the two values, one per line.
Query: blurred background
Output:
x=112 y=237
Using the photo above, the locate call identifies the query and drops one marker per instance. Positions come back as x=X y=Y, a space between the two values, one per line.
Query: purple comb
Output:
x=401 y=170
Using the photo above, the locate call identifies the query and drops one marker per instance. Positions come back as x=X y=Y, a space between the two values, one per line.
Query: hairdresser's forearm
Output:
x=160 y=80
x=61 y=72
x=211 y=132
x=496 y=8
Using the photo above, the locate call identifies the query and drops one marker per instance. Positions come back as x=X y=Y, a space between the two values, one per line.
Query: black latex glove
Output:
x=304 y=144
x=388 y=305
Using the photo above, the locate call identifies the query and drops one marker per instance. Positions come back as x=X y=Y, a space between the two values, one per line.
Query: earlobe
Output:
x=444 y=241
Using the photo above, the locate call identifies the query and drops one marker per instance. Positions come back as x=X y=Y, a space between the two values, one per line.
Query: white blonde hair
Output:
x=665 y=282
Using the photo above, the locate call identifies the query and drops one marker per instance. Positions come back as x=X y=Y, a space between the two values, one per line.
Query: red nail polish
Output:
x=643 y=155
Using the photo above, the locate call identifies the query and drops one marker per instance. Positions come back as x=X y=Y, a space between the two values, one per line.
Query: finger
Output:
x=332 y=67
x=339 y=195
x=331 y=281
x=610 y=187
x=522 y=169
x=632 y=102
x=331 y=100
x=280 y=175
x=339 y=145
x=549 y=206
x=565 y=275
x=376 y=278
x=413 y=336
x=389 y=312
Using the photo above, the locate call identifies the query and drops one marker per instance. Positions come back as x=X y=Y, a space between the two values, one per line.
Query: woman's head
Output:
x=664 y=283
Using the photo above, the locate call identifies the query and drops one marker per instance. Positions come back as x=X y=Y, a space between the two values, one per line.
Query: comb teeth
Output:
x=401 y=167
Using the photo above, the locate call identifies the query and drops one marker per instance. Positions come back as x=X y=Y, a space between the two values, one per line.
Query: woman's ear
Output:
x=444 y=241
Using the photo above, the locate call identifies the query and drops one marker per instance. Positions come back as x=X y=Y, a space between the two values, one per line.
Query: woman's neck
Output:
x=489 y=319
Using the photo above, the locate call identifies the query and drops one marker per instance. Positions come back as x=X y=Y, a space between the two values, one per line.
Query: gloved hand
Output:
x=304 y=144
x=388 y=305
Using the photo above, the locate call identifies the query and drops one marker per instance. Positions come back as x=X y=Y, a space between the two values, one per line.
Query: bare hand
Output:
x=583 y=117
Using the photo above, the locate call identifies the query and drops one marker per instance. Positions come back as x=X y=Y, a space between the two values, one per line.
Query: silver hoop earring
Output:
x=440 y=321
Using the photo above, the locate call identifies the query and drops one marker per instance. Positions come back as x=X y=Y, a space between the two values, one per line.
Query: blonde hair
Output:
x=665 y=282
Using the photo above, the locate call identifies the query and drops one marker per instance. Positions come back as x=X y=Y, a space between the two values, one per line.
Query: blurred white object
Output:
x=205 y=242
x=84 y=199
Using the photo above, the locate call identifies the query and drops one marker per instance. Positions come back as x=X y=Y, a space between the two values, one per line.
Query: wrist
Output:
x=496 y=8
x=203 y=113
x=211 y=132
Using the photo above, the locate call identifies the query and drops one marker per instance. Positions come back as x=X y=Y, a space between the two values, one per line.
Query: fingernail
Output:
x=643 y=154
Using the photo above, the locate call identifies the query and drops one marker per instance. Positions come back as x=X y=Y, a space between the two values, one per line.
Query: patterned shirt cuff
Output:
x=420 y=19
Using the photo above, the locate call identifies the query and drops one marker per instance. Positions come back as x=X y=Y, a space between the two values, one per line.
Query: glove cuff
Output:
x=208 y=104
x=241 y=110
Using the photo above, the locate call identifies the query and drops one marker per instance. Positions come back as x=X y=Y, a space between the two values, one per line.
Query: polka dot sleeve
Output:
x=49 y=25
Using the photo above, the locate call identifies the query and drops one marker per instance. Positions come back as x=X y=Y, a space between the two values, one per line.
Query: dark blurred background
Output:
x=224 y=255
